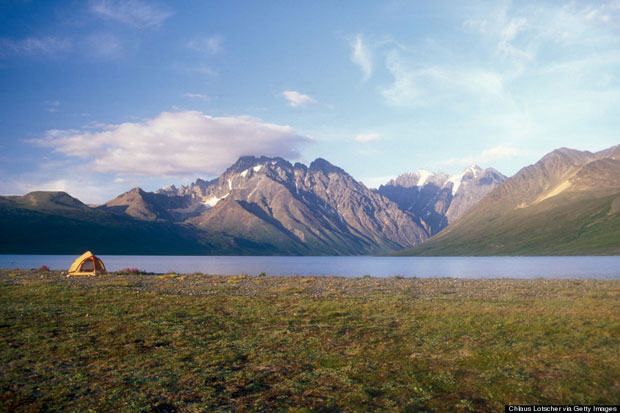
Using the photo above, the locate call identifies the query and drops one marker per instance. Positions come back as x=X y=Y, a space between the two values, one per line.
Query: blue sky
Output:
x=100 y=96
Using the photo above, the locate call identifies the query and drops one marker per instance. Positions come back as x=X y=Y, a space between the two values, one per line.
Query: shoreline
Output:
x=320 y=286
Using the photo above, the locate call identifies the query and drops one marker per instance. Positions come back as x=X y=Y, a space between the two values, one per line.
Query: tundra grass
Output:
x=214 y=343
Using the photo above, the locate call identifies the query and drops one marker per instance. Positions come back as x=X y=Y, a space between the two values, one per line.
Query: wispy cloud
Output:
x=416 y=86
x=367 y=137
x=485 y=158
x=178 y=143
x=377 y=181
x=508 y=35
x=537 y=76
x=201 y=69
x=199 y=96
x=211 y=45
x=104 y=45
x=34 y=46
x=606 y=13
x=362 y=56
x=136 y=13
x=52 y=105
x=296 y=99
x=479 y=25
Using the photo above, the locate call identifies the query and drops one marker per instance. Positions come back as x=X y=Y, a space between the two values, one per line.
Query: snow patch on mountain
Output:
x=456 y=181
x=424 y=175
x=211 y=202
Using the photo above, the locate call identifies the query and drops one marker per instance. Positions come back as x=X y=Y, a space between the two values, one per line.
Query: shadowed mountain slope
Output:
x=56 y=223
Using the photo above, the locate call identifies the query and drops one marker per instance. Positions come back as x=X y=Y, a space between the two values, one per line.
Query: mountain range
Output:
x=293 y=209
x=269 y=206
x=439 y=198
x=567 y=203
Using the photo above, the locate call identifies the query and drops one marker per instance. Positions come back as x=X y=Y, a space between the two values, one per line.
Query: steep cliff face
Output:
x=439 y=199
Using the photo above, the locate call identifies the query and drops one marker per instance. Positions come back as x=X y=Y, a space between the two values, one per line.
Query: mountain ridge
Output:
x=564 y=203
x=259 y=205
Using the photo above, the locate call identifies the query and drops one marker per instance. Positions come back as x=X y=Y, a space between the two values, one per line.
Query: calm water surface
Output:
x=458 y=267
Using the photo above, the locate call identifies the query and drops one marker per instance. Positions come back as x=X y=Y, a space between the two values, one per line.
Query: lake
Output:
x=423 y=267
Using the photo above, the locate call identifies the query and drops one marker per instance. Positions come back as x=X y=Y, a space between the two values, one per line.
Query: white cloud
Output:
x=367 y=137
x=199 y=96
x=34 y=46
x=211 y=45
x=136 y=13
x=297 y=99
x=362 y=56
x=175 y=144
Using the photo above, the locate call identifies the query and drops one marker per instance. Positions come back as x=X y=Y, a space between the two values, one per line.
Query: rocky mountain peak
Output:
x=320 y=207
x=246 y=162
x=439 y=198
x=320 y=164
x=135 y=191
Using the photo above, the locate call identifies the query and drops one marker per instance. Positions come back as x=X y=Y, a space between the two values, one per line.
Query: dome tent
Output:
x=87 y=264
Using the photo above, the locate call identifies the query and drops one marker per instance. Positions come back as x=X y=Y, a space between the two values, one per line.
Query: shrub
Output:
x=132 y=271
x=44 y=268
x=262 y=274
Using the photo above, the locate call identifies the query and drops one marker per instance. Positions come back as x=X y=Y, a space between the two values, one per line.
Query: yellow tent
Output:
x=87 y=264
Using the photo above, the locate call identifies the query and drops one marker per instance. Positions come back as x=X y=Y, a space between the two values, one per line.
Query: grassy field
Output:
x=251 y=343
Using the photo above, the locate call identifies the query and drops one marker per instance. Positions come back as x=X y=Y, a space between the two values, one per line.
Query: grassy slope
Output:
x=572 y=223
x=241 y=343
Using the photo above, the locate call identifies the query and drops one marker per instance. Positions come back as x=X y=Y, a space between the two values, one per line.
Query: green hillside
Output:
x=572 y=223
